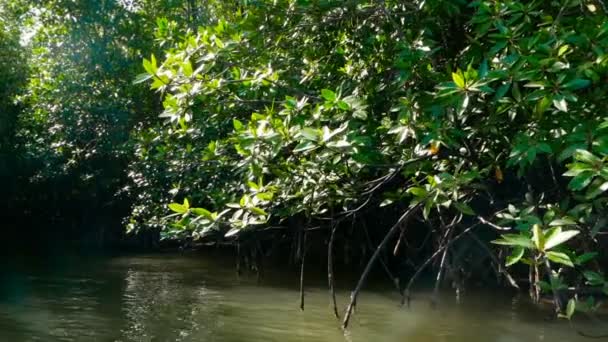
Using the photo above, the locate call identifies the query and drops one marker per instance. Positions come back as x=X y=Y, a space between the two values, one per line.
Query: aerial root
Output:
x=374 y=257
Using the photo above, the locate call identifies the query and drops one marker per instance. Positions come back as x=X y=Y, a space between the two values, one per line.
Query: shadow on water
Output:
x=192 y=298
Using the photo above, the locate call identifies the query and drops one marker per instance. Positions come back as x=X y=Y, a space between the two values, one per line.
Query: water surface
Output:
x=193 y=298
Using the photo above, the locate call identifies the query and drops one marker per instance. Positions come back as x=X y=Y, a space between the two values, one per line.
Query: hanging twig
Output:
x=368 y=267
x=393 y=279
x=303 y=259
x=446 y=238
x=399 y=239
x=330 y=269
x=441 y=266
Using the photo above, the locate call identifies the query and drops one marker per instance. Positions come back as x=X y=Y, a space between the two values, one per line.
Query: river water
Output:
x=193 y=298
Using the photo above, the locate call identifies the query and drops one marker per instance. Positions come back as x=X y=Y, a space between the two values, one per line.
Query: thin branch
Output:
x=302 y=271
x=442 y=265
x=399 y=239
x=330 y=269
x=497 y=227
x=393 y=279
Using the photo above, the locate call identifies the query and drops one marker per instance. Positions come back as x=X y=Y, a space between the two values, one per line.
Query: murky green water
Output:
x=179 y=298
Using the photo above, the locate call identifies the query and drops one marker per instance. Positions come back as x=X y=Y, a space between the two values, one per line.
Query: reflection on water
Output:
x=178 y=298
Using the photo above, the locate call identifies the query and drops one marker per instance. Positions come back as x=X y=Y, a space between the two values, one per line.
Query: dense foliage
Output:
x=482 y=120
x=324 y=110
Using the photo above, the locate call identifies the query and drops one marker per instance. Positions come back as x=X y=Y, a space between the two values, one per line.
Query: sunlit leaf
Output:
x=328 y=95
x=560 y=258
x=516 y=255
x=178 y=208
x=560 y=238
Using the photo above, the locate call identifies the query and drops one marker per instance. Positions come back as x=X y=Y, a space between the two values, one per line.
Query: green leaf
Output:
x=584 y=258
x=187 y=68
x=178 y=208
x=560 y=238
x=310 y=134
x=386 y=201
x=428 y=205
x=576 y=84
x=564 y=221
x=264 y=196
x=544 y=147
x=142 y=78
x=464 y=208
x=538 y=237
x=458 y=79
x=581 y=180
x=516 y=255
x=594 y=278
x=339 y=144
x=514 y=240
x=502 y=90
x=586 y=156
x=258 y=211
x=253 y=185
x=238 y=126
x=150 y=69
x=561 y=104
x=574 y=169
x=417 y=191
x=360 y=114
x=535 y=85
x=232 y=232
x=560 y=258
x=596 y=190
x=542 y=105
x=343 y=105
x=304 y=146
x=328 y=95
x=570 y=308
x=202 y=212
x=562 y=50
x=483 y=69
